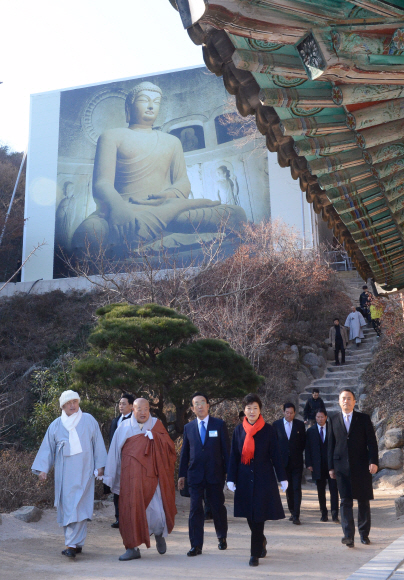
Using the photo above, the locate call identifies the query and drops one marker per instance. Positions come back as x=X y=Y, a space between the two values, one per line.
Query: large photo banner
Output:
x=159 y=162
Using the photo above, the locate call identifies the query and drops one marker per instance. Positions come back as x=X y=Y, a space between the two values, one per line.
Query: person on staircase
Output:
x=313 y=404
x=376 y=312
x=317 y=462
x=364 y=301
x=339 y=340
x=355 y=322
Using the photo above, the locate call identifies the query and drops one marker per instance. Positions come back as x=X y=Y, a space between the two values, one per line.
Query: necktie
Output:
x=347 y=419
x=289 y=429
x=322 y=434
x=203 y=432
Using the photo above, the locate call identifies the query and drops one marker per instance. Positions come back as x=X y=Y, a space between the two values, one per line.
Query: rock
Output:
x=322 y=360
x=330 y=353
x=314 y=347
x=301 y=381
x=310 y=359
x=306 y=371
x=388 y=479
x=306 y=349
x=322 y=352
x=28 y=514
x=98 y=505
x=375 y=416
x=293 y=397
x=316 y=371
x=391 y=459
x=381 y=444
x=292 y=357
x=282 y=346
x=394 y=438
x=294 y=348
x=362 y=400
x=399 y=503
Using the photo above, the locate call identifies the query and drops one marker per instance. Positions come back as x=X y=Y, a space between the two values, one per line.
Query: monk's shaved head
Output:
x=141 y=410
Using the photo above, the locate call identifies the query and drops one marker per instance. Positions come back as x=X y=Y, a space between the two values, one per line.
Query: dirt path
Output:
x=311 y=551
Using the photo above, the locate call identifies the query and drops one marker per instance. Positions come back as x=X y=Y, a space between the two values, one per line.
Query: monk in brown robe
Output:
x=140 y=468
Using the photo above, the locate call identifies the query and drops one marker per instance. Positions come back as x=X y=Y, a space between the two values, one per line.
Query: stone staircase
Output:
x=357 y=358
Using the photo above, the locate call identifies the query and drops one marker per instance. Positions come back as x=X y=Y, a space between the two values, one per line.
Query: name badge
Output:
x=212 y=433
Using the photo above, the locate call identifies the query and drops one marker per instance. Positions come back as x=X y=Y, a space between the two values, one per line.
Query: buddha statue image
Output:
x=141 y=187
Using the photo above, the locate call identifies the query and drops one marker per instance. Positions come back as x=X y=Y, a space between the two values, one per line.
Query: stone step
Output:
x=327 y=382
x=327 y=399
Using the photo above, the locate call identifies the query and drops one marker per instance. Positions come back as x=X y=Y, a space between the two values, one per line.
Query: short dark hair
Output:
x=364 y=287
x=315 y=390
x=199 y=394
x=287 y=405
x=346 y=389
x=252 y=398
x=241 y=415
x=322 y=410
x=131 y=398
x=336 y=318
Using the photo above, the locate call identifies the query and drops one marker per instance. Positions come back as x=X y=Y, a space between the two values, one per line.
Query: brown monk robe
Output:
x=146 y=464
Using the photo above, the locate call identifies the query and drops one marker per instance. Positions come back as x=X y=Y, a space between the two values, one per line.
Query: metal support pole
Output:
x=12 y=197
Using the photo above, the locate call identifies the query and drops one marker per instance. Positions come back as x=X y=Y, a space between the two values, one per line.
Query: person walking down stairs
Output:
x=355 y=322
x=338 y=340
x=314 y=403
x=376 y=312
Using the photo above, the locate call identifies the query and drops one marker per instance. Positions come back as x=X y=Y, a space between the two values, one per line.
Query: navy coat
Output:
x=208 y=462
x=257 y=496
x=350 y=455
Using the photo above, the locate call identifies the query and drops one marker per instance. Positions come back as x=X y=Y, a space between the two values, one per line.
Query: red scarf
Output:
x=249 y=444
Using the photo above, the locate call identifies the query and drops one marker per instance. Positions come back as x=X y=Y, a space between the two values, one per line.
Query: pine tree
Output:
x=152 y=351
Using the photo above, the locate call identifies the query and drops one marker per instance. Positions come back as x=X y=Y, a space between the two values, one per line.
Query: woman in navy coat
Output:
x=254 y=455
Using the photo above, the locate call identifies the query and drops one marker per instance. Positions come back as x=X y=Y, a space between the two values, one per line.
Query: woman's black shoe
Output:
x=253 y=561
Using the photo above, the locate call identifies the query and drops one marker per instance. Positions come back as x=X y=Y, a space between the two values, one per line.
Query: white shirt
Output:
x=288 y=427
x=205 y=420
x=121 y=418
x=347 y=417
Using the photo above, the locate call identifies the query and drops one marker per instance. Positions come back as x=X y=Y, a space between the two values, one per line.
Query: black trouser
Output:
x=376 y=325
x=294 y=491
x=257 y=538
x=332 y=486
x=339 y=346
x=215 y=497
x=116 y=504
x=347 y=518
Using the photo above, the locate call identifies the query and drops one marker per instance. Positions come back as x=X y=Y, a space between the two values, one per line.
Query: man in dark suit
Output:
x=204 y=460
x=352 y=460
x=291 y=435
x=317 y=462
x=125 y=411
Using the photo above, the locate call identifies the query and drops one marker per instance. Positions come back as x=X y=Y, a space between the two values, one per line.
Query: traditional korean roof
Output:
x=325 y=81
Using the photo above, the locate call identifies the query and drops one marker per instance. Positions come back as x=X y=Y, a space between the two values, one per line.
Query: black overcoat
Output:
x=291 y=449
x=257 y=496
x=350 y=455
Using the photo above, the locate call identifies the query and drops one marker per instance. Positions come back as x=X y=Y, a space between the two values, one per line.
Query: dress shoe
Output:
x=297 y=522
x=337 y=364
x=335 y=519
x=365 y=540
x=160 y=544
x=291 y=519
x=324 y=518
x=69 y=552
x=130 y=554
x=264 y=549
x=253 y=561
x=79 y=549
x=222 y=545
x=115 y=524
x=195 y=551
x=349 y=542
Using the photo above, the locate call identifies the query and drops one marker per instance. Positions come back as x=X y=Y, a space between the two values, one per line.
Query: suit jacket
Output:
x=350 y=455
x=208 y=462
x=291 y=449
x=114 y=427
x=316 y=453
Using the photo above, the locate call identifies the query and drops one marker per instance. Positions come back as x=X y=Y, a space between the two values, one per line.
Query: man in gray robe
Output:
x=145 y=484
x=355 y=322
x=73 y=444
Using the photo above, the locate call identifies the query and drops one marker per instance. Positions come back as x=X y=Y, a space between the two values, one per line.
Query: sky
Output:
x=49 y=45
